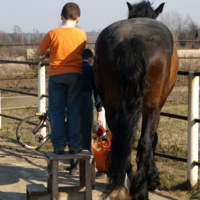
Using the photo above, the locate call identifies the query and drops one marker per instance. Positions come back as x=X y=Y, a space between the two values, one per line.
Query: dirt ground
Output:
x=20 y=167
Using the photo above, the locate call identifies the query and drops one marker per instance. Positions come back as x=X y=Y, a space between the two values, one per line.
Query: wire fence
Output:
x=41 y=95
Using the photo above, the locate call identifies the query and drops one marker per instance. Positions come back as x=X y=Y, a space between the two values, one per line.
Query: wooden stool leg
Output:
x=49 y=181
x=88 y=179
x=53 y=180
x=82 y=172
x=93 y=173
x=27 y=194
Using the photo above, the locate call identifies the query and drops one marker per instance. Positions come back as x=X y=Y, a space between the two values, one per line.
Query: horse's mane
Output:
x=142 y=9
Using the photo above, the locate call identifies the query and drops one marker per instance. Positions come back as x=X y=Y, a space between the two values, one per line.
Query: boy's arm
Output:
x=43 y=48
x=39 y=52
x=98 y=105
x=97 y=100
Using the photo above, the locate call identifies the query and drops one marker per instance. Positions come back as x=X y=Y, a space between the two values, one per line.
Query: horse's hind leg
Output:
x=153 y=180
x=149 y=126
x=147 y=173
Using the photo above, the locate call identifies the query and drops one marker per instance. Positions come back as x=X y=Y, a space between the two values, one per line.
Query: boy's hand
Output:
x=100 y=118
x=46 y=53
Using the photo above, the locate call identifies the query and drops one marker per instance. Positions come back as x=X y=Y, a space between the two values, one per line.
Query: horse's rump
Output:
x=157 y=44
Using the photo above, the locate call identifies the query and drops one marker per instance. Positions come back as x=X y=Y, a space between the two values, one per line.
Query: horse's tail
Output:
x=132 y=66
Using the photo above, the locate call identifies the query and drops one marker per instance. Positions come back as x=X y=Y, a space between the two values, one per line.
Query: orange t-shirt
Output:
x=66 y=46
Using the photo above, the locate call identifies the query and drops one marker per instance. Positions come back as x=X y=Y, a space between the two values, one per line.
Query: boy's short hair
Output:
x=71 y=11
x=87 y=53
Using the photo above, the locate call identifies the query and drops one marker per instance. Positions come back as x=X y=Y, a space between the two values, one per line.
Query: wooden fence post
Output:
x=193 y=113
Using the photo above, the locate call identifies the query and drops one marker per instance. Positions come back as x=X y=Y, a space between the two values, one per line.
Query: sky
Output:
x=44 y=15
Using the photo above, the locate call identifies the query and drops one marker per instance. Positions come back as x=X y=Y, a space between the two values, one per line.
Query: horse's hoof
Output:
x=153 y=181
x=140 y=195
x=153 y=185
x=140 y=198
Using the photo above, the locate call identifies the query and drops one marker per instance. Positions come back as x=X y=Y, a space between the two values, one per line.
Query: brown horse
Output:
x=135 y=69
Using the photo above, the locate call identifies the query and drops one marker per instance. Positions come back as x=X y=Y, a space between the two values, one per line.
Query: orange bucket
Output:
x=101 y=152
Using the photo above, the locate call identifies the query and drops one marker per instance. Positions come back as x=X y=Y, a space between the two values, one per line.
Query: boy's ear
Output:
x=78 y=19
x=61 y=16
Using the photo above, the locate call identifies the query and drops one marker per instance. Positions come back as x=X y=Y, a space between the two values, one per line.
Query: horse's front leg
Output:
x=147 y=174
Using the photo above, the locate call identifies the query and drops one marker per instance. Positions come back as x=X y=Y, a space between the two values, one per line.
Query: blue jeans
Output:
x=65 y=96
x=87 y=120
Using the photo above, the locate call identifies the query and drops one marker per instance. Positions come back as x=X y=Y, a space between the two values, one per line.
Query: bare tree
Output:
x=174 y=22
x=191 y=26
x=181 y=28
x=17 y=31
x=5 y=38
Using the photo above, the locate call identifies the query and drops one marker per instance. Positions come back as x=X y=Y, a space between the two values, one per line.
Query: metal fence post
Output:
x=193 y=113
x=0 y=109
x=41 y=88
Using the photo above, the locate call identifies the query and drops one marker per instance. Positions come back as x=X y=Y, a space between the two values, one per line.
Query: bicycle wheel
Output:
x=33 y=133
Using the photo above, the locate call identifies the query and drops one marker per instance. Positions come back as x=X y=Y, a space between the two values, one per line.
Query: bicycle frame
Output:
x=44 y=118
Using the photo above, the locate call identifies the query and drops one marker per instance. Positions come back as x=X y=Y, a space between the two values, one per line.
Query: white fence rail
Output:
x=193 y=115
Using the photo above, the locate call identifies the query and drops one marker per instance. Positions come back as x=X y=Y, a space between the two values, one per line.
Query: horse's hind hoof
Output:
x=152 y=186
x=140 y=195
x=140 y=198
x=153 y=181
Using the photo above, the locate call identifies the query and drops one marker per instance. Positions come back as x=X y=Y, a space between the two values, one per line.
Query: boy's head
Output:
x=88 y=56
x=71 y=11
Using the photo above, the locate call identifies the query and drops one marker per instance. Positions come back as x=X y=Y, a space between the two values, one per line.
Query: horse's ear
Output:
x=159 y=9
x=129 y=6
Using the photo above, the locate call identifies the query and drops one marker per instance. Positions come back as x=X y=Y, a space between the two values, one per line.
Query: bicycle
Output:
x=34 y=131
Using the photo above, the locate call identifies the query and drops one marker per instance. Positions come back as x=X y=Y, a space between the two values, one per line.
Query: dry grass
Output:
x=9 y=126
x=172 y=141
x=173 y=178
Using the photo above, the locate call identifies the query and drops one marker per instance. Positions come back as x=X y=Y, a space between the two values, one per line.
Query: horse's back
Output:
x=157 y=44
x=151 y=32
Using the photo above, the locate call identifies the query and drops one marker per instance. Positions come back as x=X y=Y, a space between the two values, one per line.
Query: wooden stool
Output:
x=87 y=175
x=37 y=192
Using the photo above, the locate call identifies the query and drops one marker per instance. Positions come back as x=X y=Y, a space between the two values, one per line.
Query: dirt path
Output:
x=20 y=167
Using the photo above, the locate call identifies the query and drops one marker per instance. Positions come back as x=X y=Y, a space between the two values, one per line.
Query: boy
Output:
x=64 y=45
x=89 y=90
